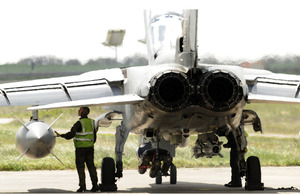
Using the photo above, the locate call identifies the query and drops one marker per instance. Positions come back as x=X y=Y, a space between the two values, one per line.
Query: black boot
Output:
x=95 y=188
x=232 y=184
x=81 y=189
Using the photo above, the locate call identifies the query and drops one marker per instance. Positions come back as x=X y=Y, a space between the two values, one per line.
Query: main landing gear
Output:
x=108 y=181
x=253 y=174
x=249 y=169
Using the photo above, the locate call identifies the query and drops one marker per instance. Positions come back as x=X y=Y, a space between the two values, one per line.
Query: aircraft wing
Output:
x=94 y=84
x=103 y=101
x=267 y=87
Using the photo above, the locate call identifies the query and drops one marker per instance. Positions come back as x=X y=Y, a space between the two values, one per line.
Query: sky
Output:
x=75 y=29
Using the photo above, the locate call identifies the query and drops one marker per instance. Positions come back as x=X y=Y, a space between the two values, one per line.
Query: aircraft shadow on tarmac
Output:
x=188 y=187
x=49 y=190
x=180 y=187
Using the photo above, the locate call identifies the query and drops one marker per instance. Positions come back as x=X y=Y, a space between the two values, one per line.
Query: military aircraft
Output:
x=164 y=102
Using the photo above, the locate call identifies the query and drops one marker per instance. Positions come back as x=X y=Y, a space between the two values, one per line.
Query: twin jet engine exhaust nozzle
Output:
x=215 y=90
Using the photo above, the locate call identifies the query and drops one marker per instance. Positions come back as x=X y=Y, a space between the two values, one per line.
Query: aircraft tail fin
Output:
x=172 y=37
x=186 y=52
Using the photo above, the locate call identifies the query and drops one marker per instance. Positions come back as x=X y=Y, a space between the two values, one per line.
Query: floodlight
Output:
x=114 y=38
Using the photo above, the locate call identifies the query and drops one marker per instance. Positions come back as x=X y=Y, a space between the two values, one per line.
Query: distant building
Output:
x=257 y=65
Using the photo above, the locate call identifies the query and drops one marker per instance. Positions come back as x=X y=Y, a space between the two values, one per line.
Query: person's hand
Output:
x=57 y=134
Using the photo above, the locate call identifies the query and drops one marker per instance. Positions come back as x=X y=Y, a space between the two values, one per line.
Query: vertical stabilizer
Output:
x=163 y=27
x=186 y=53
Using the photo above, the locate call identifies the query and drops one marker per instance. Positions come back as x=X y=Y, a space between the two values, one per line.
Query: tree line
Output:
x=53 y=60
x=274 y=63
x=283 y=64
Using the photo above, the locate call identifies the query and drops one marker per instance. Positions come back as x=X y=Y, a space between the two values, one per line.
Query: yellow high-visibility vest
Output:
x=85 y=138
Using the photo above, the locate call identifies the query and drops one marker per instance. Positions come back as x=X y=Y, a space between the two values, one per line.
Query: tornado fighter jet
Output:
x=167 y=101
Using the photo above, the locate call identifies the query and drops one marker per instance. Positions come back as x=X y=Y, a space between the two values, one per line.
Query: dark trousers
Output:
x=235 y=168
x=86 y=156
x=234 y=160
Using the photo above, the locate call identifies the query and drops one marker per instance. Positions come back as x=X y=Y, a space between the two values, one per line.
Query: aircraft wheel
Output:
x=108 y=175
x=158 y=178
x=253 y=179
x=173 y=174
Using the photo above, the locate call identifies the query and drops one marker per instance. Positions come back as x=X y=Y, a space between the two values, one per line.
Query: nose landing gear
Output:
x=172 y=174
x=160 y=163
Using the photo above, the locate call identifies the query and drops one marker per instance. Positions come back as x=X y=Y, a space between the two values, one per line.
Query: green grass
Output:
x=272 y=151
x=22 y=72
x=278 y=118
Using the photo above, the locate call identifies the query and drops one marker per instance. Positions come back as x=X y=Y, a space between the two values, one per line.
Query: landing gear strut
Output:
x=239 y=167
x=111 y=170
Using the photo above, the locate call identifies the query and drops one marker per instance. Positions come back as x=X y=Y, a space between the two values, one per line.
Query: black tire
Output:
x=253 y=170
x=108 y=171
x=158 y=178
x=253 y=179
x=173 y=174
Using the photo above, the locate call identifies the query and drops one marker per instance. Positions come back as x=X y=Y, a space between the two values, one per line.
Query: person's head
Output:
x=83 y=111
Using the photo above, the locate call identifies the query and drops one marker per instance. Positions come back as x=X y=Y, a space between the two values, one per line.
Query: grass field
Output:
x=20 y=72
x=273 y=151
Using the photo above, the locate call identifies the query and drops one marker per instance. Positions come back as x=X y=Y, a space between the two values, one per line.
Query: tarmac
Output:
x=189 y=180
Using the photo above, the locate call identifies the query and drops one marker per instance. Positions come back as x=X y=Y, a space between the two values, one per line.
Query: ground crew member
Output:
x=84 y=134
x=234 y=162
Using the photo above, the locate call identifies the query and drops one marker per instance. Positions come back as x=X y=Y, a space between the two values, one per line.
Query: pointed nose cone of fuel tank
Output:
x=39 y=131
x=38 y=137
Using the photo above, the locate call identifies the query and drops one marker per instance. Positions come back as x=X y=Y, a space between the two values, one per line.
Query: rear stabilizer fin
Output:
x=21 y=156
x=20 y=121
x=57 y=158
x=54 y=121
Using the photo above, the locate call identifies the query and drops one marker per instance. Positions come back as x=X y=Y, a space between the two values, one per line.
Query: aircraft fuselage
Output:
x=178 y=98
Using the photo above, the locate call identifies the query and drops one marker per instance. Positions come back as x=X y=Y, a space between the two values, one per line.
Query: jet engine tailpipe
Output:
x=220 y=90
x=170 y=91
